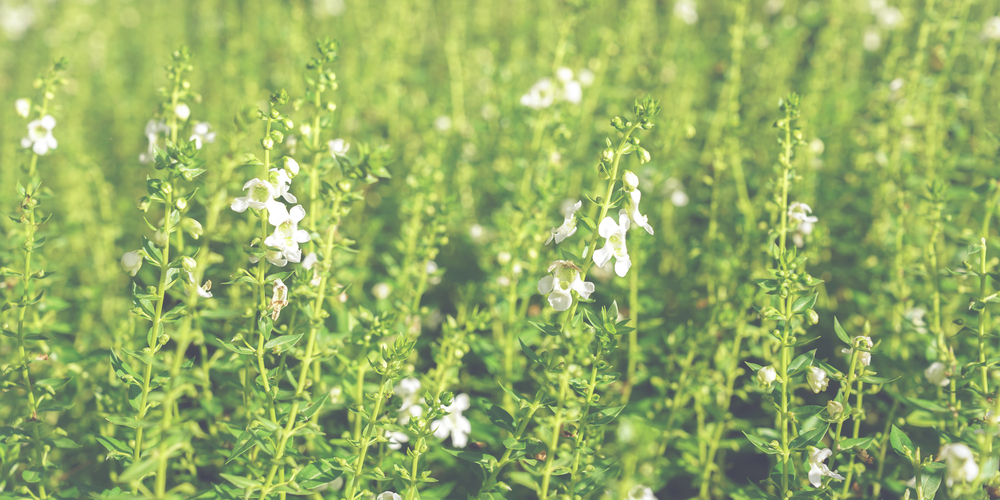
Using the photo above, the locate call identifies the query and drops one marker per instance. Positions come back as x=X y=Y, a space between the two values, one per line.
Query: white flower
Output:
x=396 y=439
x=687 y=11
x=408 y=390
x=640 y=492
x=817 y=469
x=834 y=408
x=586 y=77
x=442 y=123
x=799 y=212
x=991 y=28
x=339 y=147
x=40 y=138
x=132 y=261
x=182 y=111
x=564 y=74
x=890 y=18
x=273 y=256
x=202 y=134
x=564 y=278
x=572 y=92
x=260 y=195
x=615 y=243
x=281 y=182
x=308 y=262
x=381 y=291
x=287 y=235
x=153 y=130
x=765 y=376
x=201 y=290
x=817 y=379
x=279 y=298
x=568 y=227
x=865 y=342
x=960 y=461
x=937 y=374
x=388 y=495
x=915 y=315
x=541 y=95
x=454 y=423
x=633 y=211
x=630 y=180
x=23 y=107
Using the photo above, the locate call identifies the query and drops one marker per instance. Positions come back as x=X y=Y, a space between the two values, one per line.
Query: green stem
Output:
x=518 y=434
x=583 y=427
x=366 y=440
x=553 y=444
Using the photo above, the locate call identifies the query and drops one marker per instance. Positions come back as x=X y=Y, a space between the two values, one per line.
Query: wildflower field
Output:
x=549 y=249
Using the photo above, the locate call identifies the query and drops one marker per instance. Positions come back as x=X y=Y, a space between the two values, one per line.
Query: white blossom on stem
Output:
x=615 y=243
x=201 y=290
x=937 y=374
x=182 y=111
x=818 y=469
x=23 y=107
x=568 y=227
x=766 y=376
x=799 y=212
x=152 y=132
x=388 y=495
x=816 y=377
x=563 y=280
x=287 y=235
x=40 y=138
x=640 y=492
x=281 y=182
x=339 y=147
x=132 y=261
x=633 y=211
x=260 y=195
x=408 y=390
x=960 y=462
x=454 y=423
x=202 y=134
x=279 y=298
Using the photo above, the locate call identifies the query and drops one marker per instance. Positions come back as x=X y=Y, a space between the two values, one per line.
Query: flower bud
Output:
x=812 y=317
x=193 y=227
x=834 y=409
x=816 y=377
x=189 y=264
x=132 y=261
x=23 y=107
x=330 y=106
x=291 y=167
x=644 y=156
x=182 y=111
x=167 y=188
x=289 y=124
x=765 y=376
x=608 y=155
x=181 y=203
x=503 y=258
x=277 y=136
x=344 y=186
x=143 y=204
x=630 y=180
x=160 y=238
x=267 y=142
x=618 y=123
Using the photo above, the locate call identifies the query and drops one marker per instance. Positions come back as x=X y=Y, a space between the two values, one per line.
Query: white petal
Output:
x=302 y=236
x=239 y=204
x=607 y=227
x=560 y=300
x=622 y=266
x=440 y=431
x=26 y=143
x=289 y=197
x=584 y=288
x=48 y=122
x=40 y=147
x=603 y=255
x=623 y=222
x=459 y=439
x=460 y=404
x=545 y=284
x=277 y=214
x=297 y=213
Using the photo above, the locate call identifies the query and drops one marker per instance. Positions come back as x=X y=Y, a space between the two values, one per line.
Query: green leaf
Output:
x=900 y=443
x=240 y=482
x=243 y=444
x=283 y=343
x=801 y=362
x=841 y=334
x=605 y=416
x=530 y=353
x=803 y=304
x=115 y=446
x=64 y=443
x=810 y=437
x=32 y=474
x=139 y=469
x=863 y=443
x=761 y=444
x=500 y=418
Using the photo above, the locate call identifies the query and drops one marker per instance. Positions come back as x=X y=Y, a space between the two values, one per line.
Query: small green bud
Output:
x=344 y=186
x=181 y=203
x=277 y=136
x=617 y=123
x=189 y=264
x=166 y=188
x=267 y=143
x=812 y=317
x=143 y=204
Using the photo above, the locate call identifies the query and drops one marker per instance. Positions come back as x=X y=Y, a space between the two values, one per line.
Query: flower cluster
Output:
x=283 y=243
x=798 y=213
x=563 y=280
x=40 y=139
x=546 y=92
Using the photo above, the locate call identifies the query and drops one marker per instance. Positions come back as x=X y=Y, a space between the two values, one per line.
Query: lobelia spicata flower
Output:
x=937 y=374
x=568 y=227
x=287 y=235
x=339 y=147
x=631 y=184
x=799 y=212
x=132 y=261
x=563 y=280
x=201 y=290
x=260 y=195
x=960 y=462
x=408 y=390
x=182 y=111
x=818 y=469
x=281 y=182
x=765 y=376
x=834 y=408
x=615 y=243
x=23 y=107
x=202 y=134
x=816 y=377
x=40 y=139
x=308 y=263
x=454 y=423
x=152 y=132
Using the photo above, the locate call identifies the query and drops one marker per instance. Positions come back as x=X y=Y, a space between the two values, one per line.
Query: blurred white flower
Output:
x=864 y=357
x=568 y=227
x=260 y=195
x=202 y=134
x=454 y=423
x=937 y=374
x=633 y=211
x=559 y=285
x=572 y=92
x=442 y=123
x=287 y=235
x=40 y=138
x=381 y=290
x=132 y=261
x=291 y=166
x=408 y=390
x=308 y=263
x=640 y=492
x=153 y=130
x=327 y=8
x=872 y=39
x=201 y=290
x=889 y=18
x=541 y=95
x=816 y=377
x=23 y=107
x=798 y=212
x=396 y=439
x=834 y=408
x=818 y=469
x=388 y=495
x=991 y=28
x=687 y=11
x=15 y=20
x=339 y=147
x=182 y=111
x=614 y=245
x=281 y=182
x=960 y=462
